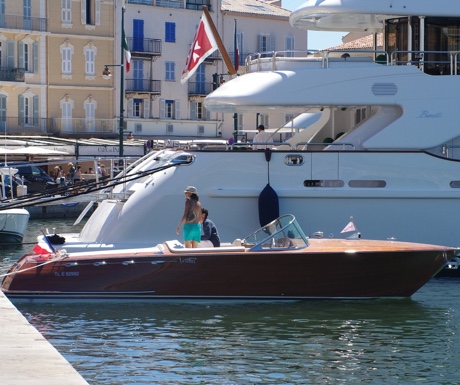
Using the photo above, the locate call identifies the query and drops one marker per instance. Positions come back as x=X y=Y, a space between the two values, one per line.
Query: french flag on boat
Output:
x=38 y=249
x=46 y=248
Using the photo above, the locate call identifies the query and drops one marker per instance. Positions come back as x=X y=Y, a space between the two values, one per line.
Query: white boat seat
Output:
x=175 y=246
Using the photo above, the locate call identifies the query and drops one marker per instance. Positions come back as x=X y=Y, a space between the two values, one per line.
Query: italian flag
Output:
x=127 y=52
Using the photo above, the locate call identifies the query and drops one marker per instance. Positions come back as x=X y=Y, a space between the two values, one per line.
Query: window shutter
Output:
x=2 y=112
x=130 y=106
x=21 y=110
x=64 y=10
x=83 y=12
x=35 y=107
x=35 y=49
x=146 y=104
x=162 y=108
x=98 y=12
x=272 y=43
x=177 y=109
x=10 y=54
x=193 y=110
x=21 y=54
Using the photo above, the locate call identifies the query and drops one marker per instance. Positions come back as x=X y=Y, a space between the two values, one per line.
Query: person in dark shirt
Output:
x=210 y=235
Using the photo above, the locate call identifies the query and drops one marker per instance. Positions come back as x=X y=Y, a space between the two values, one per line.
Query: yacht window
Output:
x=293 y=160
x=367 y=183
x=455 y=184
x=323 y=183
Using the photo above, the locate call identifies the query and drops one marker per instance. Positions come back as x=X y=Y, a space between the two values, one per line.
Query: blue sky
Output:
x=316 y=40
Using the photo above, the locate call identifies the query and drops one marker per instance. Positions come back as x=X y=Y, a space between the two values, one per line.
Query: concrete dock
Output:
x=26 y=357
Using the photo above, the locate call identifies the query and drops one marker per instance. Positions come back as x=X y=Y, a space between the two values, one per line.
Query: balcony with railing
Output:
x=189 y=4
x=23 y=23
x=197 y=4
x=144 y=47
x=170 y=3
x=213 y=57
x=199 y=88
x=58 y=126
x=142 y=86
x=12 y=74
x=141 y=2
x=82 y=126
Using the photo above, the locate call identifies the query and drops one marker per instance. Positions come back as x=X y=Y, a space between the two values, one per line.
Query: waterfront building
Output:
x=158 y=104
x=53 y=54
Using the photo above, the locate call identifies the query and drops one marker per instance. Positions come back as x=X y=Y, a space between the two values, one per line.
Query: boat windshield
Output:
x=284 y=233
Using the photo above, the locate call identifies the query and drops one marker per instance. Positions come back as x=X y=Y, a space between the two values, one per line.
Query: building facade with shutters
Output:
x=160 y=34
x=53 y=53
x=50 y=56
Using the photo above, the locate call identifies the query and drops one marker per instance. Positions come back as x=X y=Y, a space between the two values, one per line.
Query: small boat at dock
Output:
x=13 y=222
x=276 y=262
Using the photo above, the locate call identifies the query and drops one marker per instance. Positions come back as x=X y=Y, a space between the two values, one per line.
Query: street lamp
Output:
x=107 y=75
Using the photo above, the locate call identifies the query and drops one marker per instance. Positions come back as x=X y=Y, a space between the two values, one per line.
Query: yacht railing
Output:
x=354 y=56
x=422 y=59
x=322 y=144
x=431 y=62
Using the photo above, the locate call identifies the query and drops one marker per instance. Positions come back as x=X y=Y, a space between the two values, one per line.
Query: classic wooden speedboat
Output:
x=276 y=262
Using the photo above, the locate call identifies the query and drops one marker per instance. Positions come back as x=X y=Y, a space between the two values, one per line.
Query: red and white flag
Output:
x=349 y=227
x=203 y=45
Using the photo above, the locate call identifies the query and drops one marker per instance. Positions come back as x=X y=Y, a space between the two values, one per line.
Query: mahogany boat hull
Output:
x=317 y=272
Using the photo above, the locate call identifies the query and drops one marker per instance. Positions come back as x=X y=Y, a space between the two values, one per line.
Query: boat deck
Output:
x=26 y=357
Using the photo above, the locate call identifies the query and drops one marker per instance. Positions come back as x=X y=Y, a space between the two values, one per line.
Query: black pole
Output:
x=122 y=82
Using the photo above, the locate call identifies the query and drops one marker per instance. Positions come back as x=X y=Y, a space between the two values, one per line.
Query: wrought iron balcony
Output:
x=143 y=86
x=213 y=57
x=197 y=4
x=199 y=88
x=23 y=23
x=11 y=74
x=144 y=47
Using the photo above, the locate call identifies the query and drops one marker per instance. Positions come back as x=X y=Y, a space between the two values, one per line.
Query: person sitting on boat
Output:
x=210 y=235
x=261 y=137
x=192 y=218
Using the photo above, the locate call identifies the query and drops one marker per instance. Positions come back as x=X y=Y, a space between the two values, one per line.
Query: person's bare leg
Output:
x=188 y=244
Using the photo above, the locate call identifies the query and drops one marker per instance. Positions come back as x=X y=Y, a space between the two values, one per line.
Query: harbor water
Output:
x=403 y=341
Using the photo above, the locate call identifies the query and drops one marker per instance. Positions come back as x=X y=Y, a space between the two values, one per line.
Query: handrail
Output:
x=419 y=59
x=325 y=144
x=349 y=58
x=271 y=59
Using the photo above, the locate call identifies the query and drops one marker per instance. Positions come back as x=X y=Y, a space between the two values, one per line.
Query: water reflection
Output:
x=328 y=342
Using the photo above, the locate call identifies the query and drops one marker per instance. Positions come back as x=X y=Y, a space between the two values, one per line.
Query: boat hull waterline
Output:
x=13 y=224
x=326 y=269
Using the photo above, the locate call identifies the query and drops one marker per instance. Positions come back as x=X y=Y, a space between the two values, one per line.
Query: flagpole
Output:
x=122 y=83
x=223 y=51
x=236 y=59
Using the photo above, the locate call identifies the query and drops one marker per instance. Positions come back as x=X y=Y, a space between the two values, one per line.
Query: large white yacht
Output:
x=382 y=145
